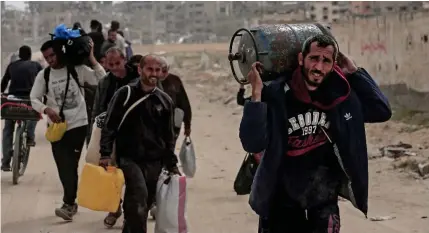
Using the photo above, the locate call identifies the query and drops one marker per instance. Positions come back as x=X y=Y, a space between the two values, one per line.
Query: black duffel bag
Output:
x=75 y=44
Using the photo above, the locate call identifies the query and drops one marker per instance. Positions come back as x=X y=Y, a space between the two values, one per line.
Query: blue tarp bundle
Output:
x=62 y=32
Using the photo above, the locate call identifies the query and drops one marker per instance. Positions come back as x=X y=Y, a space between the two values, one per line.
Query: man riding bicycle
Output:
x=21 y=75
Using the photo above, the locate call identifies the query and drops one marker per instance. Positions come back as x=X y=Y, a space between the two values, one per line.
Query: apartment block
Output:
x=360 y=8
x=327 y=12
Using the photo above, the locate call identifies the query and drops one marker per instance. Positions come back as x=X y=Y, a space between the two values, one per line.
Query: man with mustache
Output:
x=144 y=142
x=311 y=125
x=121 y=73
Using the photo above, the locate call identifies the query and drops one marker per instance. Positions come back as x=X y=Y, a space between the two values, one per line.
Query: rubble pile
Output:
x=405 y=158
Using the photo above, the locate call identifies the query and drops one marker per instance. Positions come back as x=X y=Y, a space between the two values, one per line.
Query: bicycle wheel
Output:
x=16 y=155
x=24 y=155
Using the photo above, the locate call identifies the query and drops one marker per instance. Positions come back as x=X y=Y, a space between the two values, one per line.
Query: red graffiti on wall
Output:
x=373 y=47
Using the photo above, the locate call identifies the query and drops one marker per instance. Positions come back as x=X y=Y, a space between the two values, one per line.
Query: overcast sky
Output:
x=18 y=4
x=21 y=4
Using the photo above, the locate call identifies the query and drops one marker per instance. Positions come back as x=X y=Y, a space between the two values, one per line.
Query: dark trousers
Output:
x=176 y=134
x=288 y=216
x=140 y=191
x=7 y=140
x=67 y=153
x=89 y=128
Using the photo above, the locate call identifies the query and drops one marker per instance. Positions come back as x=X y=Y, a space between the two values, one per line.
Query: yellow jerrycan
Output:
x=100 y=189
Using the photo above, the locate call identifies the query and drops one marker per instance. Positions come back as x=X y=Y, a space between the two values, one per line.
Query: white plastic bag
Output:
x=171 y=204
x=179 y=114
x=93 y=151
x=187 y=157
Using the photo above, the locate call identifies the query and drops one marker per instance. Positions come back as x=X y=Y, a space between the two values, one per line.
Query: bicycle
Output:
x=20 y=111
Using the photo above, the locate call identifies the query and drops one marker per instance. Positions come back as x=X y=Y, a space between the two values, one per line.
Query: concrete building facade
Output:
x=360 y=8
x=327 y=12
x=394 y=49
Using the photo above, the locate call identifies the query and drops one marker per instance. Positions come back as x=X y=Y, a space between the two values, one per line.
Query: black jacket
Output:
x=263 y=128
x=147 y=132
x=21 y=74
x=98 y=39
x=106 y=89
x=173 y=86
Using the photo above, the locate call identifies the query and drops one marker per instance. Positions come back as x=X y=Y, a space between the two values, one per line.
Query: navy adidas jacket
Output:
x=263 y=127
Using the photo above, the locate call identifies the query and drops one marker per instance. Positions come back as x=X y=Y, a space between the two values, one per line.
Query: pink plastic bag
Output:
x=171 y=204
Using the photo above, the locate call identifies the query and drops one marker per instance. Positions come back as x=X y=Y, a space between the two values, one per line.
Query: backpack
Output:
x=89 y=90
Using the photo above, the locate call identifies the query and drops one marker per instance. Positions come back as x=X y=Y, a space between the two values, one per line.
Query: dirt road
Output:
x=213 y=207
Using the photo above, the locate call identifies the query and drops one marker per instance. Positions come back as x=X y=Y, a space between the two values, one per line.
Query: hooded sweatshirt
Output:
x=312 y=175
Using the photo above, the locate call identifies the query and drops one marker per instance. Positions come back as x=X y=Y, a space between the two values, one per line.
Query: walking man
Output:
x=173 y=86
x=144 y=142
x=20 y=74
x=112 y=41
x=120 y=74
x=311 y=126
x=52 y=82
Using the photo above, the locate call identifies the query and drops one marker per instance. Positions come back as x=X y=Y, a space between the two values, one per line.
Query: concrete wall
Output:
x=393 y=48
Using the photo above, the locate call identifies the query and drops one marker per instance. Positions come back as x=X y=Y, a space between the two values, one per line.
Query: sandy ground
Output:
x=213 y=206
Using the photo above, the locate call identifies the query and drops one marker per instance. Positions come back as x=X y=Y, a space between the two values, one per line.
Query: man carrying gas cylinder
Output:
x=311 y=125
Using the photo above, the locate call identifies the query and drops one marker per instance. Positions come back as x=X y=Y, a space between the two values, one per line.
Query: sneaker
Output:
x=6 y=168
x=66 y=212
x=31 y=142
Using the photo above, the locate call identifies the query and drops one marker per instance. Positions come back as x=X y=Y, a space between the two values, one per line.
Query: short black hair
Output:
x=76 y=25
x=95 y=24
x=323 y=41
x=114 y=25
x=56 y=47
x=48 y=44
x=24 y=52
x=111 y=30
x=135 y=58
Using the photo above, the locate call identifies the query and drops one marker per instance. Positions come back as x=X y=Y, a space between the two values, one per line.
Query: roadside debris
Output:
x=395 y=151
x=424 y=169
x=381 y=218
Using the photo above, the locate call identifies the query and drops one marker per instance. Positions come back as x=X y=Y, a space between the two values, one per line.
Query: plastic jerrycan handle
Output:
x=111 y=169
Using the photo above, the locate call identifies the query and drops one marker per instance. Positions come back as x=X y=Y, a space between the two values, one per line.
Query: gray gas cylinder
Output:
x=275 y=46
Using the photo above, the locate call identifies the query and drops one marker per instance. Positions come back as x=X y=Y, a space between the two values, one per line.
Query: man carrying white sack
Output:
x=144 y=142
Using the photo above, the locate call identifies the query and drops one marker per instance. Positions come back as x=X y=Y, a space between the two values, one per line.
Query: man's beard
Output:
x=148 y=82
x=310 y=82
